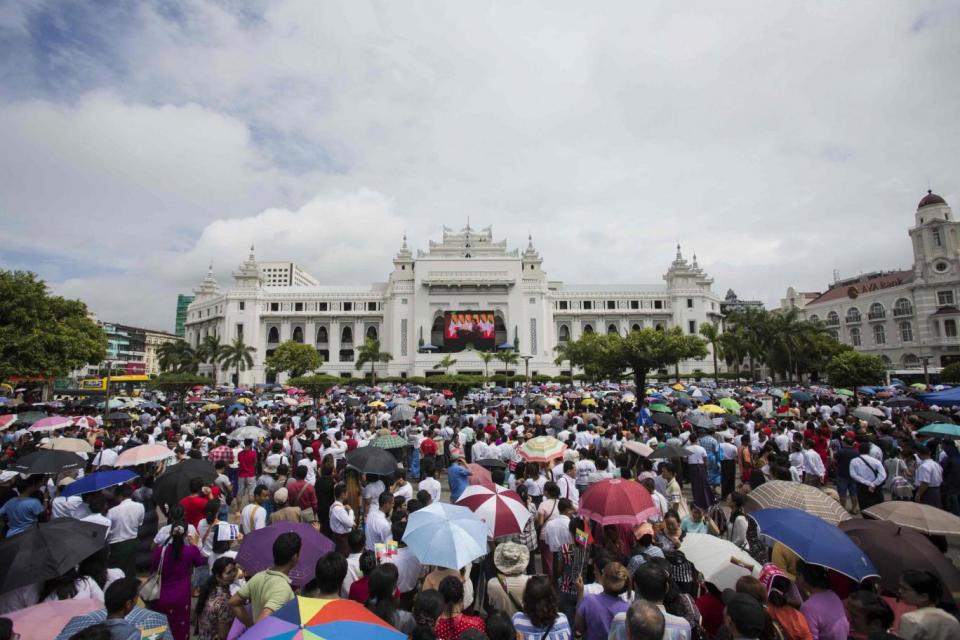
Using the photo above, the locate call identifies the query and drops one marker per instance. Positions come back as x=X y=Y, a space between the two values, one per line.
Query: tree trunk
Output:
x=640 y=380
x=716 y=373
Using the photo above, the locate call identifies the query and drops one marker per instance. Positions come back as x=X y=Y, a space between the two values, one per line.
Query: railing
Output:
x=877 y=315
x=902 y=311
x=854 y=319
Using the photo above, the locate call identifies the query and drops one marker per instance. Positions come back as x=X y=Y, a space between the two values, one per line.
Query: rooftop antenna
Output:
x=836 y=275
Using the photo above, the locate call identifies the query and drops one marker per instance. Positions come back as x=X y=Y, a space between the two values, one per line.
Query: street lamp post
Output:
x=106 y=394
x=926 y=370
x=526 y=368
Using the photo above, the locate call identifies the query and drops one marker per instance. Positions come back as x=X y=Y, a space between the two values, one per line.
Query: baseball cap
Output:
x=746 y=613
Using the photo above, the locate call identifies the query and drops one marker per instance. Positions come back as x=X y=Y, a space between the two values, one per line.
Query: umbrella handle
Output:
x=741 y=563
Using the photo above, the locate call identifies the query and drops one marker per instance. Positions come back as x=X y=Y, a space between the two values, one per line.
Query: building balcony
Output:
x=903 y=312
x=832 y=323
x=877 y=315
x=854 y=319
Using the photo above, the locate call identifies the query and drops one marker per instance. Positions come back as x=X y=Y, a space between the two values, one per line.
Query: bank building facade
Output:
x=465 y=293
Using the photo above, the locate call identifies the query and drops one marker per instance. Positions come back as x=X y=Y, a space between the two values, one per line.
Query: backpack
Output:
x=681 y=570
x=715 y=513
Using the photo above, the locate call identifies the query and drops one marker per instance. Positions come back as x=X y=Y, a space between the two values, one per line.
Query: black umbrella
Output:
x=729 y=418
x=669 y=451
x=492 y=463
x=372 y=460
x=118 y=416
x=174 y=483
x=47 y=462
x=665 y=419
x=48 y=551
x=900 y=402
x=699 y=420
x=558 y=422
x=933 y=416
x=517 y=401
x=353 y=402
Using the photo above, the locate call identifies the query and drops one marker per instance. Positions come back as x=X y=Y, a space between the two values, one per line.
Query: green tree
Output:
x=211 y=350
x=733 y=346
x=317 y=385
x=486 y=357
x=237 y=356
x=178 y=357
x=296 y=358
x=711 y=333
x=508 y=357
x=854 y=369
x=371 y=353
x=445 y=363
x=43 y=334
x=951 y=373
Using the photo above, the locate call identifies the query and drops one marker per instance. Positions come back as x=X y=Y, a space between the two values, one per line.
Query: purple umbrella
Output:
x=256 y=550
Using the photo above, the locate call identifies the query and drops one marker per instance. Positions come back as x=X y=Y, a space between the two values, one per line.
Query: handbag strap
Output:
x=506 y=590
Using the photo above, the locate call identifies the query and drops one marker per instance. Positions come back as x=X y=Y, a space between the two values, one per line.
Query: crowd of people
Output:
x=561 y=576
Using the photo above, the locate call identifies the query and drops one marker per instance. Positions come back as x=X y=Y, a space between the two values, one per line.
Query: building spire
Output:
x=679 y=256
x=695 y=265
x=404 y=246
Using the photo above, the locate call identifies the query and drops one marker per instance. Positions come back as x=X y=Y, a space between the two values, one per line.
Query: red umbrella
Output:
x=502 y=509
x=480 y=475
x=617 y=502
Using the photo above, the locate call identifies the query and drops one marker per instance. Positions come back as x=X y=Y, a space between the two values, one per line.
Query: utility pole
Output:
x=926 y=370
x=526 y=368
x=106 y=395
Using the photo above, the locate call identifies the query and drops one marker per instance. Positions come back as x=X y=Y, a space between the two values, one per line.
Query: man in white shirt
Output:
x=409 y=569
x=254 y=515
x=105 y=458
x=567 y=482
x=125 y=521
x=813 y=469
x=378 y=528
x=355 y=542
x=585 y=467
x=371 y=493
x=342 y=520
x=98 y=511
x=928 y=478
x=430 y=484
x=869 y=474
x=68 y=506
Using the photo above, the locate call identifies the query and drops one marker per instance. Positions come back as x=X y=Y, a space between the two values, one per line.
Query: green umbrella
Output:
x=844 y=392
x=388 y=442
x=729 y=404
x=940 y=429
x=662 y=408
x=29 y=417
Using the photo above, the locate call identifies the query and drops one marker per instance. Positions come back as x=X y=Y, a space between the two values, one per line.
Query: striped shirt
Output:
x=526 y=631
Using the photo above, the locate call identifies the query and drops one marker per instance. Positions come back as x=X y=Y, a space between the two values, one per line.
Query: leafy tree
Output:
x=237 y=356
x=43 y=334
x=854 y=369
x=508 y=357
x=445 y=363
x=733 y=346
x=178 y=357
x=485 y=357
x=371 y=353
x=951 y=373
x=211 y=350
x=711 y=333
x=317 y=385
x=296 y=358
x=178 y=383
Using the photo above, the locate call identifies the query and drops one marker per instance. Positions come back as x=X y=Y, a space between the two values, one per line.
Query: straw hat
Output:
x=511 y=559
x=280 y=495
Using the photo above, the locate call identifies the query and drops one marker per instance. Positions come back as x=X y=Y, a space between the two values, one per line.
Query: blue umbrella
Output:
x=816 y=541
x=150 y=405
x=98 y=481
x=446 y=535
x=801 y=396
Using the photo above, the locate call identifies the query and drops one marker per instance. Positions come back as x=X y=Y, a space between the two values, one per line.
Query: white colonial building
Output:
x=465 y=275
x=903 y=316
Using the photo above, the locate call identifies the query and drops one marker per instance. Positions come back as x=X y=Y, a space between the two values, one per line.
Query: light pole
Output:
x=926 y=370
x=106 y=394
x=526 y=368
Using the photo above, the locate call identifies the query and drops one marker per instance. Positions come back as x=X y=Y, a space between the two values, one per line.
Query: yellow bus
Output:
x=119 y=385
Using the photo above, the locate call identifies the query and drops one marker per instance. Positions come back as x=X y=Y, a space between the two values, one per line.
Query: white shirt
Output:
x=252 y=518
x=164 y=534
x=372 y=493
x=568 y=489
x=409 y=569
x=406 y=492
x=105 y=458
x=697 y=454
x=728 y=451
x=87 y=589
x=353 y=574
x=311 y=469
x=378 y=528
x=930 y=472
x=341 y=521
x=96 y=518
x=125 y=521
x=867 y=470
x=72 y=507
x=584 y=469
x=556 y=532
x=431 y=486
x=812 y=463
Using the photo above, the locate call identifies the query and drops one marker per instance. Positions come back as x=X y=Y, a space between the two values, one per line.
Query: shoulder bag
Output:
x=150 y=589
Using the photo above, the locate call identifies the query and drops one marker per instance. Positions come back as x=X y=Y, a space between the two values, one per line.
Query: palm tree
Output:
x=445 y=363
x=237 y=356
x=507 y=357
x=370 y=352
x=211 y=350
x=486 y=357
x=178 y=356
x=733 y=347
x=712 y=333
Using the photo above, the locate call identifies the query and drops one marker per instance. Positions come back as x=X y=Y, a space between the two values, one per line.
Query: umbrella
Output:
x=617 y=501
x=312 y=618
x=211 y=406
x=901 y=402
x=446 y=535
x=479 y=475
x=142 y=455
x=729 y=404
x=47 y=551
x=638 y=448
x=75 y=445
x=780 y=493
x=844 y=392
x=892 y=549
x=388 y=442
x=376 y=404
x=815 y=541
x=51 y=423
x=492 y=463
x=669 y=451
x=248 y=432
x=84 y=421
x=174 y=483
x=918 y=516
x=150 y=405
x=29 y=417
x=542 y=449
x=46 y=462
x=517 y=401
x=45 y=620
x=151 y=624
x=919 y=386
x=558 y=422
x=666 y=420
x=98 y=481
x=712 y=408
x=372 y=460
x=7 y=420
x=872 y=411
x=588 y=402
x=256 y=550
x=801 y=396
x=701 y=420
x=933 y=416
x=402 y=412
x=720 y=561
x=501 y=509
x=869 y=418
x=660 y=408
x=940 y=429
x=118 y=416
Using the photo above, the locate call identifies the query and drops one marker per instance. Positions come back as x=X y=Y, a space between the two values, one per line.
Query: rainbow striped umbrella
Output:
x=316 y=619
x=542 y=449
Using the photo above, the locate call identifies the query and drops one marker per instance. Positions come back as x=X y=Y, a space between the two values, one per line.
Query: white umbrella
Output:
x=874 y=411
x=68 y=444
x=638 y=448
x=721 y=562
x=143 y=454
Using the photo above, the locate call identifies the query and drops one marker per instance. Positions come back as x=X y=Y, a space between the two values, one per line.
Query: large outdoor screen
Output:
x=469 y=328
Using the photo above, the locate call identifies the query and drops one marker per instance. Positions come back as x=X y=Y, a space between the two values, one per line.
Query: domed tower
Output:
x=936 y=240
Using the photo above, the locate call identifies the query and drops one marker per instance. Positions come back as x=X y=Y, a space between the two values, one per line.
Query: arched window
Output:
x=814 y=318
x=902 y=307
x=910 y=361
x=659 y=327
x=563 y=335
x=855 y=336
x=588 y=328
x=833 y=318
x=322 y=336
x=876 y=311
x=346 y=335
x=635 y=327
x=273 y=335
x=879 y=335
x=298 y=334
x=372 y=333
x=612 y=329
x=853 y=314
x=906 y=332
x=886 y=362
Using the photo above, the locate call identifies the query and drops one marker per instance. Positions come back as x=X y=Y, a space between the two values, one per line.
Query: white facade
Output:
x=902 y=316
x=285 y=274
x=466 y=271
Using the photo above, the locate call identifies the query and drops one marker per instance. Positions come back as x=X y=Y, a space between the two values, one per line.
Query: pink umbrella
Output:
x=143 y=454
x=479 y=475
x=7 y=420
x=84 y=421
x=51 y=423
x=44 y=621
x=502 y=509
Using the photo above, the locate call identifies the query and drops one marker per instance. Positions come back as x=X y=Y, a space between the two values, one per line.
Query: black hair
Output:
x=451 y=589
x=97 y=502
x=500 y=626
x=300 y=473
x=650 y=581
x=119 y=593
x=427 y=608
x=218 y=568
x=330 y=571
x=381 y=584
x=551 y=490
x=211 y=511
x=874 y=607
x=367 y=562
x=260 y=488
x=924 y=583
x=196 y=484
x=423 y=496
x=356 y=540
x=540 y=602
x=98 y=631
x=385 y=498
x=339 y=490
x=285 y=547
x=814 y=575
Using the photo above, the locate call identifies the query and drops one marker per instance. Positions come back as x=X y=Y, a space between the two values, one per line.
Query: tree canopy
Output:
x=42 y=334
x=853 y=369
x=951 y=373
x=295 y=358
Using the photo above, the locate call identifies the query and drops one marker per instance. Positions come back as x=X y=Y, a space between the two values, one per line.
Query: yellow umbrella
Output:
x=679 y=387
x=211 y=406
x=376 y=403
x=650 y=391
x=712 y=408
x=589 y=402
x=246 y=401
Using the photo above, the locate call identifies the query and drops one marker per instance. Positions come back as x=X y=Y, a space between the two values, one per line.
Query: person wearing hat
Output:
x=595 y=612
x=283 y=512
x=505 y=590
x=743 y=615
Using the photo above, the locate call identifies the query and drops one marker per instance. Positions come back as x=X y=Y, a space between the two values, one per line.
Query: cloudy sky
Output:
x=778 y=141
